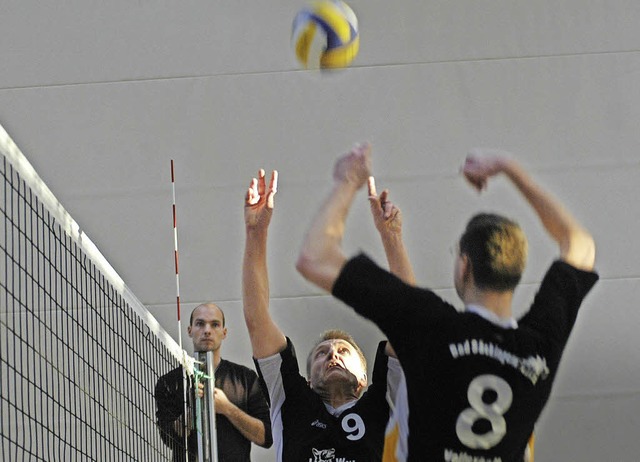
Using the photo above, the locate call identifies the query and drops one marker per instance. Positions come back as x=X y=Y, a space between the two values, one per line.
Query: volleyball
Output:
x=325 y=35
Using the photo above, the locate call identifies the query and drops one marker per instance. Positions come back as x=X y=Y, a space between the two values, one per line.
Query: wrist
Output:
x=391 y=237
x=228 y=409
x=254 y=231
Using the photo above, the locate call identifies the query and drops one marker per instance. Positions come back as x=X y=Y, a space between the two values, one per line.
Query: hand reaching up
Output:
x=386 y=216
x=259 y=200
x=355 y=166
x=482 y=164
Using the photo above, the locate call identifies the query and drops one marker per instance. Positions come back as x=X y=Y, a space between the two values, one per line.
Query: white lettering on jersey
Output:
x=452 y=456
x=533 y=368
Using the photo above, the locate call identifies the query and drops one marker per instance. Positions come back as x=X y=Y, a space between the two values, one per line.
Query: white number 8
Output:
x=354 y=425
x=493 y=412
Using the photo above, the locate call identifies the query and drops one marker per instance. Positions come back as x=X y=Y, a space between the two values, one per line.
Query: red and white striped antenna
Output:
x=175 y=254
x=184 y=366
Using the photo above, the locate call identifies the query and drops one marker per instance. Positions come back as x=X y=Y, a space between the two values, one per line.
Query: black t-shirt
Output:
x=475 y=389
x=305 y=430
x=242 y=387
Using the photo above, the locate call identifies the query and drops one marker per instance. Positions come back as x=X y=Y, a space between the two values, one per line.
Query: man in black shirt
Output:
x=476 y=380
x=242 y=413
x=337 y=414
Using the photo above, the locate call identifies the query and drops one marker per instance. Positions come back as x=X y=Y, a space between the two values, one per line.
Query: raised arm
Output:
x=388 y=220
x=321 y=257
x=266 y=337
x=576 y=244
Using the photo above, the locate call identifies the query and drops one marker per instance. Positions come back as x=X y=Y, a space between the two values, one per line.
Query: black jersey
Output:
x=475 y=389
x=242 y=387
x=307 y=430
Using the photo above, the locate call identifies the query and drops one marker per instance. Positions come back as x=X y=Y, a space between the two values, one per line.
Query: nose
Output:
x=333 y=352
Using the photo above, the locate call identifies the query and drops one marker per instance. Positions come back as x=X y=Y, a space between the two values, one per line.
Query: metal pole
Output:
x=210 y=387
x=207 y=437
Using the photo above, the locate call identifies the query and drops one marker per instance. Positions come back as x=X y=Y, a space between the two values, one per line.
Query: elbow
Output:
x=304 y=265
x=320 y=270
x=580 y=250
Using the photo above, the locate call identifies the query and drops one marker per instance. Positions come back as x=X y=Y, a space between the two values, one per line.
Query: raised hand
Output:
x=259 y=200
x=386 y=216
x=482 y=164
x=355 y=166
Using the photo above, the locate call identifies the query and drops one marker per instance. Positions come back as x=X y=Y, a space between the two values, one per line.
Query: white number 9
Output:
x=354 y=426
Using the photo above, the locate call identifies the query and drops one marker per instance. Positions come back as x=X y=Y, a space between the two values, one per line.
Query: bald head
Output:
x=207 y=306
x=207 y=327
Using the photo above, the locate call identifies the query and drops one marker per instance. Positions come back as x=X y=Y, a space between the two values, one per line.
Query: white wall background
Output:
x=101 y=95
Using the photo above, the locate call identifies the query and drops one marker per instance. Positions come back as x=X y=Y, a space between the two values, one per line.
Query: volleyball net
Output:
x=79 y=353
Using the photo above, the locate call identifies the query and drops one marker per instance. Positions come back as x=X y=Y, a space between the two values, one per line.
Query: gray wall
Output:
x=101 y=95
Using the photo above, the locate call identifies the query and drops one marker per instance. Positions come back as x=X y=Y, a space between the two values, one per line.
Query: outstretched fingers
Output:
x=273 y=189
x=371 y=186
x=258 y=192
x=383 y=210
x=253 y=196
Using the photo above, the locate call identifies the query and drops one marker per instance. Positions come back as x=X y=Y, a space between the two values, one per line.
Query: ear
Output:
x=466 y=268
x=362 y=383
x=224 y=333
x=189 y=331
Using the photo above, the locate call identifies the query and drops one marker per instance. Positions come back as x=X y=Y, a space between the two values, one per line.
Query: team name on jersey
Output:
x=532 y=367
x=327 y=455
x=452 y=456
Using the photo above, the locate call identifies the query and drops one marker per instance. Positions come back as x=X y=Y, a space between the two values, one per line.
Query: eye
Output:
x=344 y=351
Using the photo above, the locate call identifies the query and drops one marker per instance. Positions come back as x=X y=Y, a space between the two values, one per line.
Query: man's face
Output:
x=333 y=361
x=206 y=330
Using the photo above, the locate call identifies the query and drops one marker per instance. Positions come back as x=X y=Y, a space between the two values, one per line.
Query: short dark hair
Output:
x=497 y=249
x=210 y=305
x=340 y=335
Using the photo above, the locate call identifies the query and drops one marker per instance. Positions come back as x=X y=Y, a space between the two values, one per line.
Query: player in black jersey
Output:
x=476 y=380
x=330 y=417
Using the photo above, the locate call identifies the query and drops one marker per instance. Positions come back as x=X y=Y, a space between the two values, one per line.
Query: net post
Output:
x=207 y=435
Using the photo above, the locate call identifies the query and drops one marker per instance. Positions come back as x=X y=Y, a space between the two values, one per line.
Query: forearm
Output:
x=250 y=427
x=575 y=243
x=266 y=337
x=398 y=257
x=399 y=265
x=321 y=257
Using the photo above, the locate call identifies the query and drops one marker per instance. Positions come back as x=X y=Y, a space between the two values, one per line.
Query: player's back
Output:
x=486 y=387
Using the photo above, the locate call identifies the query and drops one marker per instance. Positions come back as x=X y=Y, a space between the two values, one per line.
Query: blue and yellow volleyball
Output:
x=325 y=35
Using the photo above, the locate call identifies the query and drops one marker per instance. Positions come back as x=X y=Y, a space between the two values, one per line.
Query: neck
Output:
x=496 y=302
x=336 y=396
